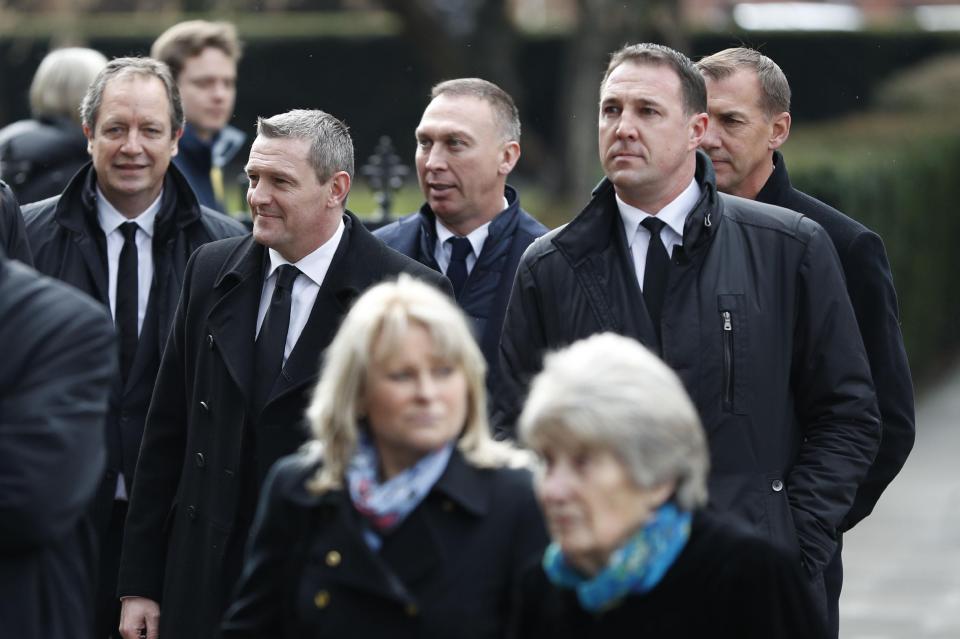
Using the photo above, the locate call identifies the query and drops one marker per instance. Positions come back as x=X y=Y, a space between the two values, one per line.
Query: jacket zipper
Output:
x=727 y=361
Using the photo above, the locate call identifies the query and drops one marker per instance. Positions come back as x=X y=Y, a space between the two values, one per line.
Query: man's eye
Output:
x=611 y=110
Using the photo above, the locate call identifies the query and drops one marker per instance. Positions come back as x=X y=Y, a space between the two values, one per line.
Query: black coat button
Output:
x=201 y=462
x=205 y=407
x=210 y=342
x=192 y=512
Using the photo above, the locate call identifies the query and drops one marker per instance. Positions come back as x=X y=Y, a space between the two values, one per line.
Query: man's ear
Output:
x=88 y=133
x=780 y=131
x=509 y=156
x=176 y=142
x=698 y=129
x=339 y=188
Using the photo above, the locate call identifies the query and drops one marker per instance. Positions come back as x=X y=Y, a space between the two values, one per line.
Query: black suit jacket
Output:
x=870 y=285
x=204 y=452
x=58 y=360
x=448 y=570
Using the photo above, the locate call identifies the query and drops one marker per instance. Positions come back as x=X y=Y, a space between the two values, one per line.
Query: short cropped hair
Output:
x=331 y=149
x=130 y=67
x=61 y=81
x=185 y=40
x=611 y=392
x=504 y=109
x=373 y=330
x=774 y=88
x=693 y=91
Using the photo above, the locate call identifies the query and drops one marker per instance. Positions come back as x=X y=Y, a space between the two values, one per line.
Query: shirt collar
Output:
x=477 y=236
x=110 y=218
x=673 y=214
x=314 y=265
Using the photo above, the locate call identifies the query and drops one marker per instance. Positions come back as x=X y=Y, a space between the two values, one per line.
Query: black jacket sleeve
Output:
x=835 y=403
x=874 y=299
x=59 y=358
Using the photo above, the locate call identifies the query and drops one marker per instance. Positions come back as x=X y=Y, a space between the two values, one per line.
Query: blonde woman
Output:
x=403 y=517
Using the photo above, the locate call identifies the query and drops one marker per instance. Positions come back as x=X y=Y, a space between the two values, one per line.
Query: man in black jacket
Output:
x=748 y=100
x=746 y=302
x=468 y=142
x=255 y=316
x=55 y=374
x=122 y=232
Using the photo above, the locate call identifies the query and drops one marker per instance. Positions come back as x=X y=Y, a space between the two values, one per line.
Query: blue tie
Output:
x=457 y=270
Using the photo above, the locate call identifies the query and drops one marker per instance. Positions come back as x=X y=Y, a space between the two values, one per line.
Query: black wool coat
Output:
x=199 y=470
x=757 y=324
x=58 y=361
x=486 y=292
x=724 y=584
x=870 y=285
x=449 y=570
x=68 y=244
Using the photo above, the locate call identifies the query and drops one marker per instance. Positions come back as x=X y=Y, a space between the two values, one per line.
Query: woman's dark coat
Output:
x=724 y=584
x=449 y=570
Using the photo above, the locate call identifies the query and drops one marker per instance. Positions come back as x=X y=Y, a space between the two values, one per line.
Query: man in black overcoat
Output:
x=748 y=99
x=255 y=316
x=55 y=374
x=122 y=232
x=745 y=301
x=468 y=142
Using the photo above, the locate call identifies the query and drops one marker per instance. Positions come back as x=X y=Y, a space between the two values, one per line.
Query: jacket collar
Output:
x=593 y=229
x=77 y=207
x=502 y=225
x=778 y=184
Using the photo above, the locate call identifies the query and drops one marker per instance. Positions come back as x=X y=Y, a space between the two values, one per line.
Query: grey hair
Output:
x=131 y=67
x=774 y=88
x=609 y=391
x=61 y=81
x=693 y=91
x=331 y=149
x=373 y=330
x=504 y=108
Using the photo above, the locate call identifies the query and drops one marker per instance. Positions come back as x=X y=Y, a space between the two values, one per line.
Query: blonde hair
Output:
x=382 y=316
x=609 y=391
x=61 y=81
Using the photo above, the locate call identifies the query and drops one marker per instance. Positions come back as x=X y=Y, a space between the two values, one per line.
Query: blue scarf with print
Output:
x=634 y=568
x=385 y=505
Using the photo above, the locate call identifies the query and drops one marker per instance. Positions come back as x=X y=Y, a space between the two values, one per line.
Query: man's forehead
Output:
x=641 y=75
x=277 y=154
x=456 y=114
x=739 y=90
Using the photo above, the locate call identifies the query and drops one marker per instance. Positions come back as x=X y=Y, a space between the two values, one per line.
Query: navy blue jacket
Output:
x=485 y=295
x=870 y=285
x=196 y=158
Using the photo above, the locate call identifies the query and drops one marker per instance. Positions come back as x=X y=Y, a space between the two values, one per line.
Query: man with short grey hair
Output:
x=122 y=232
x=748 y=99
x=255 y=316
x=745 y=301
x=471 y=226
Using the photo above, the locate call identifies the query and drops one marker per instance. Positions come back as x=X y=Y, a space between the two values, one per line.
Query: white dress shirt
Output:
x=110 y=220
x=673 y=215
x=443 y=250
x=313 y=268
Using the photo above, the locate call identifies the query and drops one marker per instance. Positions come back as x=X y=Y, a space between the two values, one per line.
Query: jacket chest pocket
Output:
x=731 y=323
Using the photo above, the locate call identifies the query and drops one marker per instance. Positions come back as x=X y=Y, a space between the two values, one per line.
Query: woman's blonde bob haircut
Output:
x=372 y=331
x=609 y=391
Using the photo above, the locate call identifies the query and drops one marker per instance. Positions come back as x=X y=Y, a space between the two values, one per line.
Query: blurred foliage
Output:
x=931 y=87
x=897 y=174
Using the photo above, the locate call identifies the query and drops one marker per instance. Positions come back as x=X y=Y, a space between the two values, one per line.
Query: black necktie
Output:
x=655 y=272
x=127 y=295
x=457 y=270
x=273 y=335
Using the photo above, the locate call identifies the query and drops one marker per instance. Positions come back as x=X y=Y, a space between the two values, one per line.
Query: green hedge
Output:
x=906 y=189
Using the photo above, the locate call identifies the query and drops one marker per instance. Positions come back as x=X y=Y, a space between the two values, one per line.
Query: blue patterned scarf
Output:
x=635 y=567
x=384 y=506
